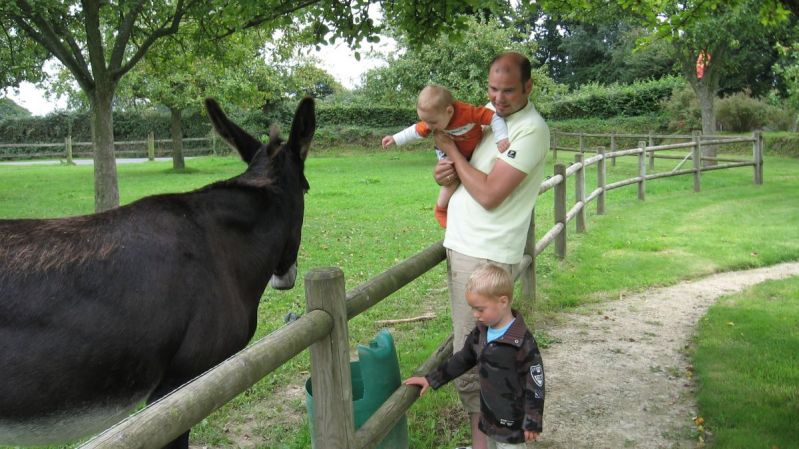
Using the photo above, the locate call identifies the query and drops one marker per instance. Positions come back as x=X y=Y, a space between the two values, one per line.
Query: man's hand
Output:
x=503 y=145
x=444 y=173
x=388 y=141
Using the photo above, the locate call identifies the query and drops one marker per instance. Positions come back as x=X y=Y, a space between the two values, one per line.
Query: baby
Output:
x=439 y=112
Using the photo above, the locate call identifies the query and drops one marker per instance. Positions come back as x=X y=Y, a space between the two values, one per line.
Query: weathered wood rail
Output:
x=323 y=328
x=149 y=148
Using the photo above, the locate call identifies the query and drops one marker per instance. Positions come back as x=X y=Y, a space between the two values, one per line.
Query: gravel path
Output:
x=618 y=376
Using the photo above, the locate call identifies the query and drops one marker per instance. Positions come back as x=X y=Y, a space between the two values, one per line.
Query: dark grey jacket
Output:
x=511 y=380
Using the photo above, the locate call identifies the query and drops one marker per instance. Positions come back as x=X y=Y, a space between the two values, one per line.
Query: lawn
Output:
x=747 y=366
x=368 y=210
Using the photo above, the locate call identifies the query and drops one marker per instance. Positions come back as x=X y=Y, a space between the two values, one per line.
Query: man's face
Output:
x=506 y=91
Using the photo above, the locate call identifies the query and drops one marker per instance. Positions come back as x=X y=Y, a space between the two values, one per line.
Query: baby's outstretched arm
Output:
x=388 y=141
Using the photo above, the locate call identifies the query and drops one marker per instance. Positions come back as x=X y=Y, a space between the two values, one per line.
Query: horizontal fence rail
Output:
x=148 y=148
x=323 y=328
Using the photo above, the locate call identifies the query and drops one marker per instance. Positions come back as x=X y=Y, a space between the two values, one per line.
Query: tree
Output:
x=179 y=72
x=460 y=64
x=100 y=42
x=306 y=79
x=9 y=109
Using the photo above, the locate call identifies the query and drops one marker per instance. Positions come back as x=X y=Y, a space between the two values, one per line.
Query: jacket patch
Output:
x=511 y=154
x=537 y=373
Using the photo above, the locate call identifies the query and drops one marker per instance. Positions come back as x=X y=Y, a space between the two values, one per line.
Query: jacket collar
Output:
x=514 y=335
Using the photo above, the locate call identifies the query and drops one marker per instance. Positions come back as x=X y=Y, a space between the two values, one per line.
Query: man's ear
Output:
x=528 y=87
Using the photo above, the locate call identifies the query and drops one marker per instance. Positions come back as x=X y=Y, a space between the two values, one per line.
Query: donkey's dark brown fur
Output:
x=101 y=312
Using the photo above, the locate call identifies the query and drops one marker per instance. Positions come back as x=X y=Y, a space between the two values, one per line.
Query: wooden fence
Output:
x=323 y=328
x=149 y=148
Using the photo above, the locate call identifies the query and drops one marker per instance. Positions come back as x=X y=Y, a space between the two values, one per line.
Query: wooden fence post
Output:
x=579 y=192
x=651 y=153
x=757 y=149
x=600 y=182
x=581 y=142
x=528 y=276
x=331 y=381
x=642 y=171
x=151 y=146
x=68 y=147
x=697 y=160
x=560 y=211
x=613 y=147
x=555 y=146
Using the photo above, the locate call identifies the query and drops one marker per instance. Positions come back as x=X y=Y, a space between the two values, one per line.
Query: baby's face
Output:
x=436 y=119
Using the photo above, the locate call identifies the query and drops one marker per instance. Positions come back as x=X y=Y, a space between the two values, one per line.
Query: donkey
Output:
x=101 y=312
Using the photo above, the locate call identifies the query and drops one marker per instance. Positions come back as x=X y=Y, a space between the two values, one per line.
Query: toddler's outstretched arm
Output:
x=388 y=141
x=420 y=382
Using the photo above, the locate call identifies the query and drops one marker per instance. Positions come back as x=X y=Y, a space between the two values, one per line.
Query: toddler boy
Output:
x=510 y=367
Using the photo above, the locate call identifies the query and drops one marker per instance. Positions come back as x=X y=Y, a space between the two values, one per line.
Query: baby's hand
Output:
x=388 y=141
x=503 y=145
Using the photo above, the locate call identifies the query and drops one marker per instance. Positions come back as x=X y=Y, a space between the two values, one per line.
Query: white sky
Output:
x=337 y=59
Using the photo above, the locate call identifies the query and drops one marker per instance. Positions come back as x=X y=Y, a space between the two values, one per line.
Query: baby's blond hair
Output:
x=491 y=280
x=434 y=98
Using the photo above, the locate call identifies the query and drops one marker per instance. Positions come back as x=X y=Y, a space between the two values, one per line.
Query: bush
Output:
x=740 y=112
x=682 y=109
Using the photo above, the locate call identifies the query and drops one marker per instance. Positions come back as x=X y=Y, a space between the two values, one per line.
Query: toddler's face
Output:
x=489 y=310
x=437 y=119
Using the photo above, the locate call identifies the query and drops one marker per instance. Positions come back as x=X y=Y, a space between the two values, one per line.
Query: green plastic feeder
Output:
x=375 y=377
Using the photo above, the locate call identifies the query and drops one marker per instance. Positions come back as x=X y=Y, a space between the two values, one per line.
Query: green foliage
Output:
x=594 y=100
x=9 y=109
x=682 y=109
x=127 y=126
x=459 y=63
x=747 y=365
x=740 y=112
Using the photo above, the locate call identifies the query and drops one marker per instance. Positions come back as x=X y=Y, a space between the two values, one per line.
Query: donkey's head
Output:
x=279 y=167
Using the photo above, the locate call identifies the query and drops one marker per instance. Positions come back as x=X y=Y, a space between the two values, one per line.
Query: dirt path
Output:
x=619 y=376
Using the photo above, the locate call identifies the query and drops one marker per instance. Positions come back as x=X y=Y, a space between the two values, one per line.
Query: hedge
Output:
x=595 y=101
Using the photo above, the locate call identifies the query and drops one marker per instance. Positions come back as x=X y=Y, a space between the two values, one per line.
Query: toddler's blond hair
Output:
x=434 y=98
x=491 y=280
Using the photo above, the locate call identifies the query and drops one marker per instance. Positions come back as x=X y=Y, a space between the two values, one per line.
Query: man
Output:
x=490 y=212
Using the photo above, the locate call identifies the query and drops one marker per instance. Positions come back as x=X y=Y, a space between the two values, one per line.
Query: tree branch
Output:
x=124 y=33
x=165 y=30
x=292 y=7
x=94 y=39
x=48 y=39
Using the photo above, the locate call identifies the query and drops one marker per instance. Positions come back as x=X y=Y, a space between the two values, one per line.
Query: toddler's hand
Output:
x=420 y=382
x=503 y=145
x=530 y=436
x=388 y=141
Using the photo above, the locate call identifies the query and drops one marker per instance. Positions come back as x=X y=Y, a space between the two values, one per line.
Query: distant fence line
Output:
x=323 y=328
x=149 y=148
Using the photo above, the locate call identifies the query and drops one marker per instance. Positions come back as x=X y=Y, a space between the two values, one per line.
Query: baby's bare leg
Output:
x=445 y=193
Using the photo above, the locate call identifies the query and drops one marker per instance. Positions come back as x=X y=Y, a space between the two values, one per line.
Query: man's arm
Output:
x=489 y=190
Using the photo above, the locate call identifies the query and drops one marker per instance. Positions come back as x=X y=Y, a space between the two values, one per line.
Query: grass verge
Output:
x=747 y=363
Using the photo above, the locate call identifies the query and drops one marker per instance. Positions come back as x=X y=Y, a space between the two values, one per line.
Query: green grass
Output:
x=747 y=363
x=368 y=210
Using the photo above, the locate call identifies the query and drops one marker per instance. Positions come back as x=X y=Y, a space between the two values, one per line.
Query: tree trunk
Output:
x=106 y=189
x=706 y=97
x=176 y=130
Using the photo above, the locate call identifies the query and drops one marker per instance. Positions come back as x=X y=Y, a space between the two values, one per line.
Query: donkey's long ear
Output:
x=303 y=127
x=236 y=137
